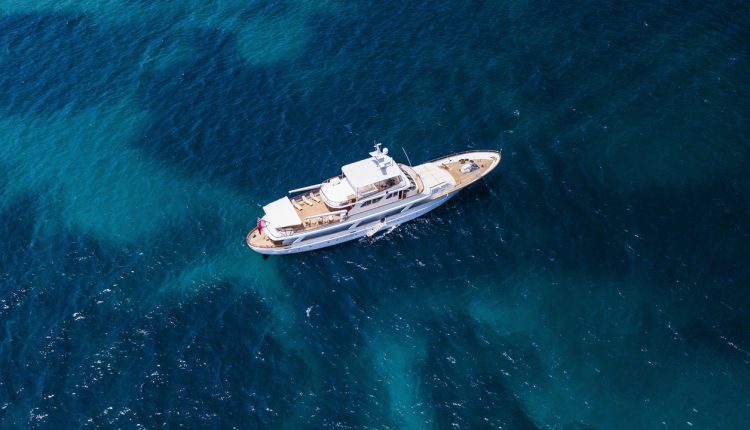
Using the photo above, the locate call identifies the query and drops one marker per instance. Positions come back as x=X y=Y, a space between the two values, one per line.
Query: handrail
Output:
x=341 y=212
x=311 y=187
x=366 y=217
x=498 y=153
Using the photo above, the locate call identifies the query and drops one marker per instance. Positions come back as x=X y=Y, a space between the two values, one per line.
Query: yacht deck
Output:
x=311 y=205
x=464 y=179
x=259 y=240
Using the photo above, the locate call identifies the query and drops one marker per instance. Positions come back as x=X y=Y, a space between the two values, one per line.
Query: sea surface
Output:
x=598 y=279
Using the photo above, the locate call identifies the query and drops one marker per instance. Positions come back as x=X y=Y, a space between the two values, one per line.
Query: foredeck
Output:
x=463 y=179
x=453 y=166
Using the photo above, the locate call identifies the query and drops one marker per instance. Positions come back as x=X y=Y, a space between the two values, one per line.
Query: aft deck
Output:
x=260 y=240
x=313 y=211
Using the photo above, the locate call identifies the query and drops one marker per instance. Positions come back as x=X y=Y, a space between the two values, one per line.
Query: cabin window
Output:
x=385 y=184
x=369 y=202
x=439 y=187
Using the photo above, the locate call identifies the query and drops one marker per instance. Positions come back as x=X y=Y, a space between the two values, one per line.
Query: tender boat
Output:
x=369 y=196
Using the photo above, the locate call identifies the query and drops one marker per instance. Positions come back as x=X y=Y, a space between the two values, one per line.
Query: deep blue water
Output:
x=598 y=279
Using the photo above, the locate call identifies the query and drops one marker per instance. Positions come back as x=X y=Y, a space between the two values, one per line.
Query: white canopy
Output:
x=281 y=213
x=337 y=191
x=365 y=172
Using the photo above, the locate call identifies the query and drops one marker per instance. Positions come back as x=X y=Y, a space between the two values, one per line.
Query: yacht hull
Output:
x=354 y=233
x=436 y=182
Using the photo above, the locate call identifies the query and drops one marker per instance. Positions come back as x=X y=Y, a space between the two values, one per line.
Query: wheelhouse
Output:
x=364 y=180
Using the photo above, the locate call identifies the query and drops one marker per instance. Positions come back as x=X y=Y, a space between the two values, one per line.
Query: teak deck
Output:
x=316 y=208
x=259 y=240
x=308 y=207
x=465 y=179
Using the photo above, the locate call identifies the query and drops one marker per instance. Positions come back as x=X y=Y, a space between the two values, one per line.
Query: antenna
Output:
x=407 y=157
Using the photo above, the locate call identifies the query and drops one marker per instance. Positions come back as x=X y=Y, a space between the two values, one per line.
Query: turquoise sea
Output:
x=598 y=279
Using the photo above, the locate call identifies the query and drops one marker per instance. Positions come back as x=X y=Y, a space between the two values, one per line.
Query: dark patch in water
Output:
x=56 y=61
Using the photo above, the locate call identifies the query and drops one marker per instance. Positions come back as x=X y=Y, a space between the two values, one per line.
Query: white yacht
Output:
x=369 y=196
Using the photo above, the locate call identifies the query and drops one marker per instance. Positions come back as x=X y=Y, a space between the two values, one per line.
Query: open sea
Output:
x=598 y=279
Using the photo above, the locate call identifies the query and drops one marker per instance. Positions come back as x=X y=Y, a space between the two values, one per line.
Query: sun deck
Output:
x=313 y=211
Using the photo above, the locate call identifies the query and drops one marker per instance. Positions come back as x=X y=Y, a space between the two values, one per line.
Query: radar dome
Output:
x=385 y=151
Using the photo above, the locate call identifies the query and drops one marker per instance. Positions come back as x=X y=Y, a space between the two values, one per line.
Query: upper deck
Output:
x=362 y=179
x=314 y=211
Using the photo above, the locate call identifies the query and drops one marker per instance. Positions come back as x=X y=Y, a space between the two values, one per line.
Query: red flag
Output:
x=259 y=224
